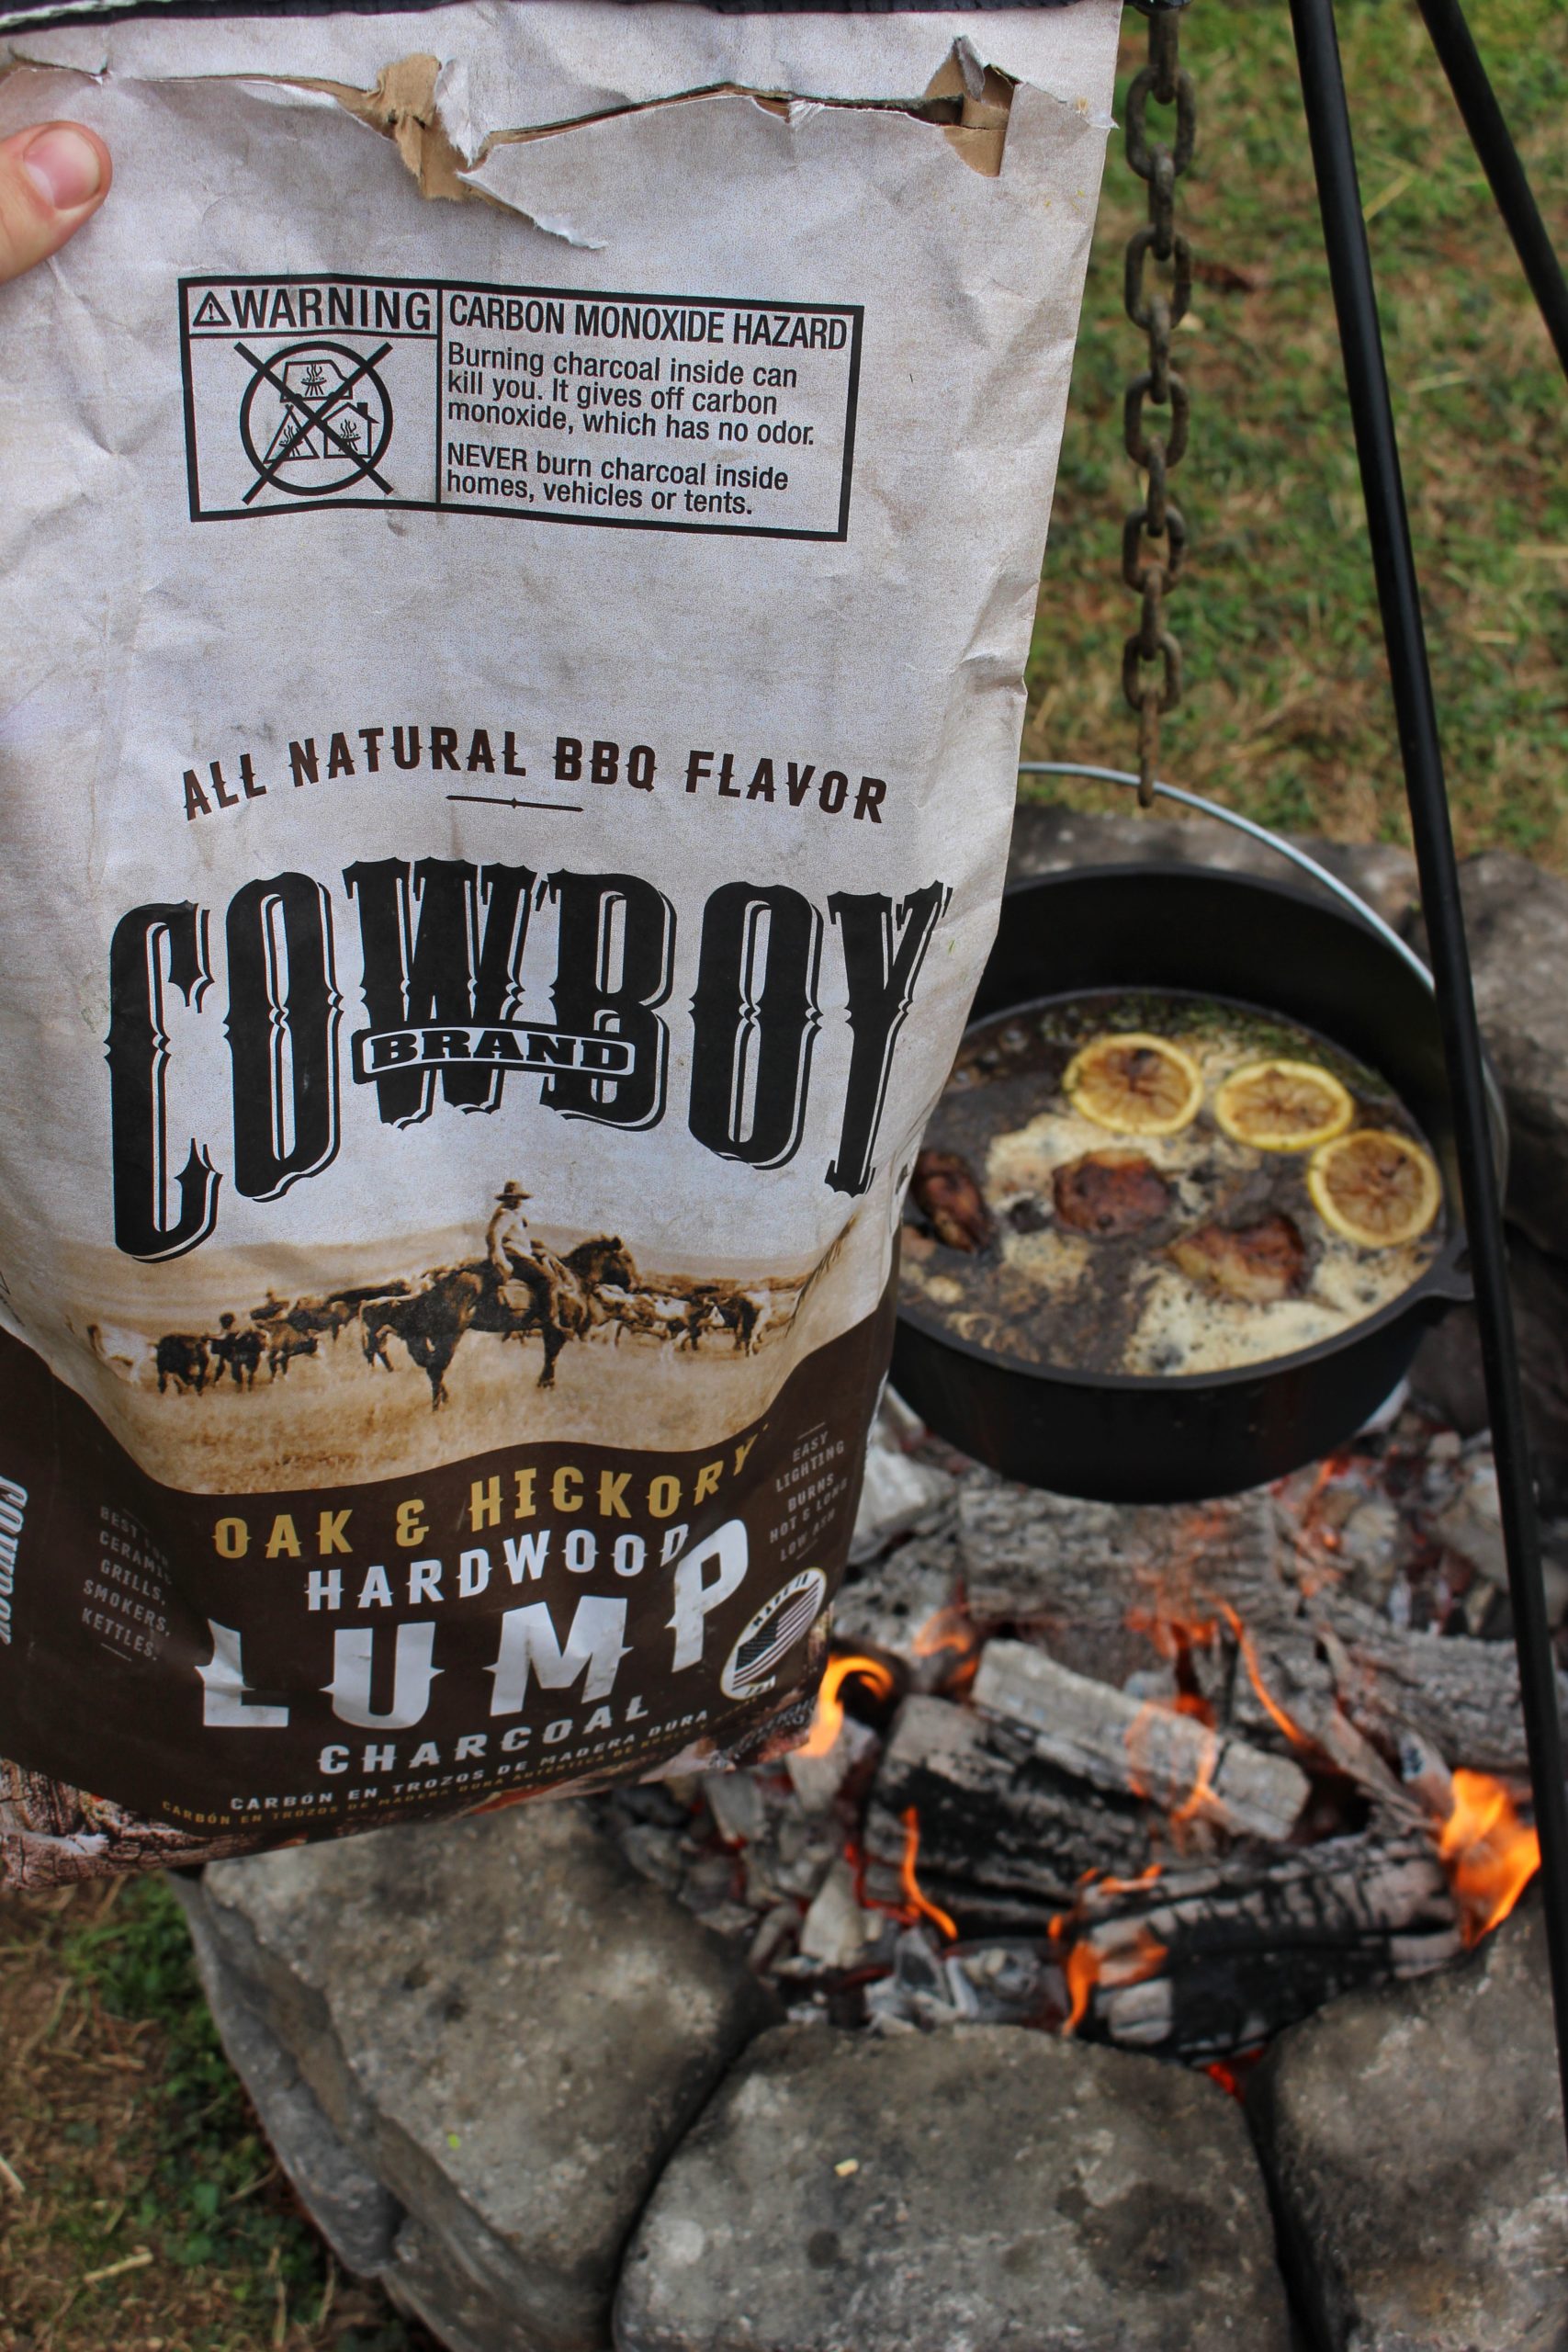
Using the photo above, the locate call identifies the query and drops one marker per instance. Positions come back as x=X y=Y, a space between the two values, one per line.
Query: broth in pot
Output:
x=1157 y=1184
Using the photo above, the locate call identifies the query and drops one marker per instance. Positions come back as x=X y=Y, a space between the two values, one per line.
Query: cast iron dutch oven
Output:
x=1122 y=1438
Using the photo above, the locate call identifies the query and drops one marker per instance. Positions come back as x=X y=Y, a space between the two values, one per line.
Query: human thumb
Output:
x=53 y=176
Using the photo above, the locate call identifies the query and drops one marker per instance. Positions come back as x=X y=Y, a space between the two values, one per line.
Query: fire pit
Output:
x=1123 y=1772
x=870 y=2038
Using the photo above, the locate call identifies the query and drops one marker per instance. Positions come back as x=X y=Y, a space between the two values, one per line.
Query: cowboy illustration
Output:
x=508 y=1245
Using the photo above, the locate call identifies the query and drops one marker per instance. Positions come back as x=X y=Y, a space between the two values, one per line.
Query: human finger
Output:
x=53 y=176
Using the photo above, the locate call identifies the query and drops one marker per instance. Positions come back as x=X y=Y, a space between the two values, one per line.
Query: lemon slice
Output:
x=1375 y=1188
x=1283 y=1106
x=1134 y=1084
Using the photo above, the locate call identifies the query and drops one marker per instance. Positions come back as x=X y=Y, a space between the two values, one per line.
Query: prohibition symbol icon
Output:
x=315 y=419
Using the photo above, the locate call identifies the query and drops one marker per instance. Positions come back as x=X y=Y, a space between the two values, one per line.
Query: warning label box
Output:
x=641 y=412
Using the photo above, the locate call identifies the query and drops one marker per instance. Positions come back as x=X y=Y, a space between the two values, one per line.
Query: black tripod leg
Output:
x=1350 y=270
x=1499 y=159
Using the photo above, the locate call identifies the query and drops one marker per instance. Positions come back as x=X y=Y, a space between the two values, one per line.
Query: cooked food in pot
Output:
x=1157 y=1184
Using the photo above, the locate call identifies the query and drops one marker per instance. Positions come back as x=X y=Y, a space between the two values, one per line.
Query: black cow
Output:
x=182 y=1358
x=241 y=1350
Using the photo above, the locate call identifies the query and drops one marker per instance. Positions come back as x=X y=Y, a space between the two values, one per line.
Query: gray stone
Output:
x=1447 y=1376
x=1516 y=918
x=1413 y=2140
x=427 y=2280
x=507 y=2028
x=355 y=2213
x=1047 y=839
x=972 y=2190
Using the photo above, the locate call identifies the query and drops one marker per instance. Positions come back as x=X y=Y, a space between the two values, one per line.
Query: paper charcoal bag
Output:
x=522 y=525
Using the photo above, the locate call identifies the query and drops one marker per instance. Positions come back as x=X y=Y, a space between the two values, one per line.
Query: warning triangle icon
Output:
x=211 y=313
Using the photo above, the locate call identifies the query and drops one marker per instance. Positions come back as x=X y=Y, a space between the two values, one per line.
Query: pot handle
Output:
x=1447 y=1282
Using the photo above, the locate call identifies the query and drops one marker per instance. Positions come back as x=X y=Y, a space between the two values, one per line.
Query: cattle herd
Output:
x=593 y=1291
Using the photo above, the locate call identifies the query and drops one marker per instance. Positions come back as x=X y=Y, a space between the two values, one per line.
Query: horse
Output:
x=550 y=1295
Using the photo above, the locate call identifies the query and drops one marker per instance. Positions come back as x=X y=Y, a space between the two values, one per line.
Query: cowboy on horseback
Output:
x=513 y=1253
x=506 y=1236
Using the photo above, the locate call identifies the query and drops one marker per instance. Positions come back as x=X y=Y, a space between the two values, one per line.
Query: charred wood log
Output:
x=1087 y=1729
x=1460 y=1696
x=1097 y=1582
x=1202 y=1963
x=1103 y=1586
x=1005 y=1838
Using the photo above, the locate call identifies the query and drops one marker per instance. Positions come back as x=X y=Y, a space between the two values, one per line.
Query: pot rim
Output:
x=1443 y=1280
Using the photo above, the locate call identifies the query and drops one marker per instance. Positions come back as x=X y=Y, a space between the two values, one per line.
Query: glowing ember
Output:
x=1489 y=1854
x=1231 y=2074
x=827 y=1722
x=922 y=1904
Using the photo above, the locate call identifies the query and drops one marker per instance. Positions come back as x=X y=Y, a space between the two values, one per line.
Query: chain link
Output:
x=1154 y=539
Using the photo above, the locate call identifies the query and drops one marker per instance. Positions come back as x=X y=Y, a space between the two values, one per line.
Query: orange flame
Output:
x=1132 y=1739
x=1176 y=1638
x=1169 y=1634
x=1084 y=1968
x=949 y=1629
x=1081 y=1969
x=922 y=1906
x=1112 y=1886
x=1490 y=1855
x=827 y=1722
x=1203 y=1787
x=1292 y=1731
x=1135 y=1739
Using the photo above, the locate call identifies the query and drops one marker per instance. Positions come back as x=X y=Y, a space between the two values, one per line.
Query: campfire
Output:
x=1168 y=1776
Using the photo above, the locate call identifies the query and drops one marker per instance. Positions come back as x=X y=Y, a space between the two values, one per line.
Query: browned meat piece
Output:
x=1108 y=1193
x=1257 y=1262
x=947 y=1192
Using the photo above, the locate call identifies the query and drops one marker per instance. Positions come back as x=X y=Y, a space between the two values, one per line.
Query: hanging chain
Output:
x=1154 y=539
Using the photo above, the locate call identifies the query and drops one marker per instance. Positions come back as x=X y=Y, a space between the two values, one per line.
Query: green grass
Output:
x=1287 y=714
x=203 y=2149
x=152 y=2213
